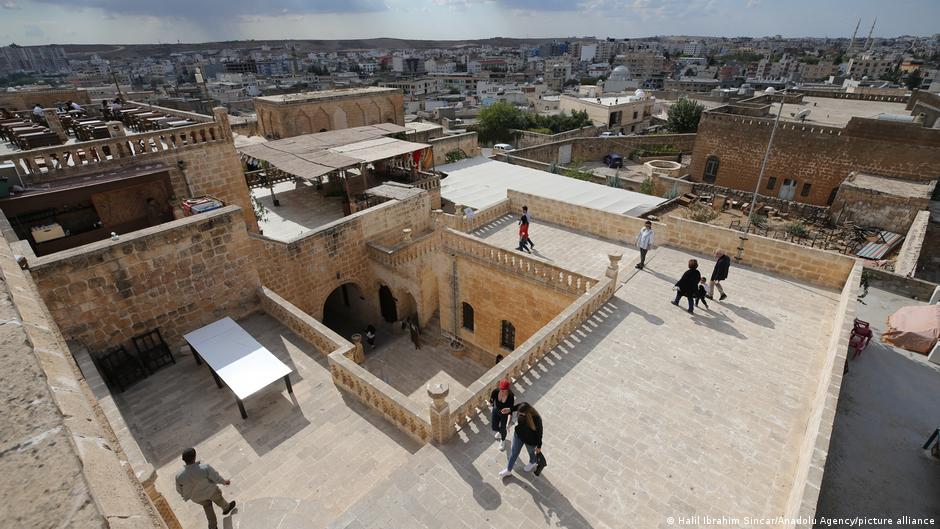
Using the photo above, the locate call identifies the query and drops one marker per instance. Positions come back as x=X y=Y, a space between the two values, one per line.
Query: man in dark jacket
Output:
x=688 y=285
x=719 y=274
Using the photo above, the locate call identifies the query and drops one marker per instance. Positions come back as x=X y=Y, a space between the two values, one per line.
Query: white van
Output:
x=504 y=147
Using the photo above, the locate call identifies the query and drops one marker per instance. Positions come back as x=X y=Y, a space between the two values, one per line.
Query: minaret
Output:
x=872 y=30
x=854 y=33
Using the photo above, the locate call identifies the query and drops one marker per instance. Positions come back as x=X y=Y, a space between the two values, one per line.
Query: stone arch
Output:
x=339 y=119
x=302 y=123
x=321 y=120
x=362 y=115
x=345 y=309
x=374 y=114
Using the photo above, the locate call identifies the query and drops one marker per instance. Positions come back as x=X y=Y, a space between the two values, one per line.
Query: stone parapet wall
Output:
x=176 y=276
x=64 y=465
x=192 y=116
x=594 y=149
x=906 y=286
x=25 y=99
x=814 y=266
x=302 y=324
x=459 y=221
x=405 y=251
x=466 y=142
x=527 y=138
x=526 y=355
x=814 y=447
x=909 y=253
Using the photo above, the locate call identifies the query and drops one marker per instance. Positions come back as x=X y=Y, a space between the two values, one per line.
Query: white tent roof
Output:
x=481 y=182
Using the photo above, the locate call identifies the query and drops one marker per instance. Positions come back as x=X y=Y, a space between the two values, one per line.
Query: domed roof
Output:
x=639 y=93
x=620 y=73
x=770 y=90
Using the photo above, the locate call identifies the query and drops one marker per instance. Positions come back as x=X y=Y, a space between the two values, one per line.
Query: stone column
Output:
x=52 y=120
x=613 y=266
x=441 y=428
x=358 y=354
x=221 y=117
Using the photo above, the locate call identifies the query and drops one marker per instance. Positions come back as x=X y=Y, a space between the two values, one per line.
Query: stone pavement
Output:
x=649 y=412
x=558 y=245
x=409 y=370
x=302 y=209
x=312 y=456
x=887 y=408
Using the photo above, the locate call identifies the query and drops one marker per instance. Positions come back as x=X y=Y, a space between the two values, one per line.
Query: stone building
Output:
x=284 y=116
x=626 y=113
x=810 y=160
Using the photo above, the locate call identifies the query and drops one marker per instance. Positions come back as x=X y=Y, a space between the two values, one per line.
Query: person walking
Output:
x=415 y=332
x=644 y=241
x=199 y=483
x=528 y=432
x=719 y=274
x=525 y=243
x=502 y=399
x=702 y=293
x=370 y=336
x=688 y=284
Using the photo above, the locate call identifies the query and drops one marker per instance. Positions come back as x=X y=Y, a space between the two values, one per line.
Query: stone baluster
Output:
x=441 y=429
x=406 y=235
x=613 y=267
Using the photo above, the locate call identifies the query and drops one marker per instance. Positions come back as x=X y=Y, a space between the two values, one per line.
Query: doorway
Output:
x=787 y=190
x=387 y=304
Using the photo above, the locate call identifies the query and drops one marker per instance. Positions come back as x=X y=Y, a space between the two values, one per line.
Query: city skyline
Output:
x=109 y=22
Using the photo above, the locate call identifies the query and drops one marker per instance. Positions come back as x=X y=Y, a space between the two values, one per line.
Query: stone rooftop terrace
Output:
x=834 y=112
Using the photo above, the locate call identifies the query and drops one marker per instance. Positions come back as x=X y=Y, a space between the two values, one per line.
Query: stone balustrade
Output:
x=528 y=354
x=550 y=275
x=405 y=251
x=38 y=166
x=430 y=183
x=480 y=218
x=406 y=414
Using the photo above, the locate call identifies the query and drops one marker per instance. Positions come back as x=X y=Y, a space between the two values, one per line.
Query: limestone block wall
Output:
x=407 y=269
x=871 y=207
x=24 y=100
x=63 y=464
x=177 y=276
x=355 y=109
x=815 y=266
x=594 y=149
x=821 y=156
x=909 y=253
x=305 y=270
x=466 y=142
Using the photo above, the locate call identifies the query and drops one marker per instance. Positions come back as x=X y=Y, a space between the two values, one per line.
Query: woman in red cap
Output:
x=502 y=400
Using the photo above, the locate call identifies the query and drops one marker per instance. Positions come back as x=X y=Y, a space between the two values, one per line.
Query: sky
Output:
x=28 y=22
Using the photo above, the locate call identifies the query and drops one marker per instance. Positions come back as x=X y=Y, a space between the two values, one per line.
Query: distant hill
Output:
x=149 y=50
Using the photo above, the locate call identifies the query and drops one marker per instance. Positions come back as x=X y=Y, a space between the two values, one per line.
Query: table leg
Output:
x=197 y=357
x=241 y=407
x=933 y=436
x=290 y=389
x=218 y=381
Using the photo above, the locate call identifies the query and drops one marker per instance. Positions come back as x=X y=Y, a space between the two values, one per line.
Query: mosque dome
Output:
x=620 y=73
x=770 y=91
x=639 y=94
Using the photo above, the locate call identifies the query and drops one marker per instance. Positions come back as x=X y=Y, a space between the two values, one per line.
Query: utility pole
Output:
x=760 y=177
x=117 y=85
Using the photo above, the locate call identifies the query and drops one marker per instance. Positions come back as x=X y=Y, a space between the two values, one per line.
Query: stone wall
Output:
x=306 y=269
x=814 y=447
x=63 y=464
x=344 y=110
x=820 y=156
x=25 y=100
x=814 y=266
x=526 y=138
x=876 y=207
x=201 y=160
x=909 y=254
x=926 y=104
x=906 y=286
x=176 y=276
x=594 y=149
x=466 y=142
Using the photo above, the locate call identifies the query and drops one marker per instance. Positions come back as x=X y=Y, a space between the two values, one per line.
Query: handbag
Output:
x=540 y=463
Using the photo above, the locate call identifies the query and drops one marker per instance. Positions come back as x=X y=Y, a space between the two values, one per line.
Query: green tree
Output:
x=914 y=79
x=495 y=122
x=892 y=75
x=684 y=116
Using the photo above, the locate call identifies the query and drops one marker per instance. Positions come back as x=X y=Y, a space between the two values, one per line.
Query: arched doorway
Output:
x=387 y=304
x=346 y=311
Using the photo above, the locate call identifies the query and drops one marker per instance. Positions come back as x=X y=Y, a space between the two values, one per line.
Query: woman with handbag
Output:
x=529 y=433
x=502 y=399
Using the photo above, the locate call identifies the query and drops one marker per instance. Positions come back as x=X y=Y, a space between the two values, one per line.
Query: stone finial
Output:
x=438 y=394
x=406 y=235
x=55 y=125
x=613 y=266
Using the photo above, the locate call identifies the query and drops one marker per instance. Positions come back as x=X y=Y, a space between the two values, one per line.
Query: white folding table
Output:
x=237 y=359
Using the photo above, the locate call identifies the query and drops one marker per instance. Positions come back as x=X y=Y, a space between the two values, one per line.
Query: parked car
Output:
x=505 y=147
x=606 y=134
x=613 y=160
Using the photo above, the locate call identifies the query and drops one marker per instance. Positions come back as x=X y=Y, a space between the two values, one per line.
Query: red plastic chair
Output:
x=861 y=335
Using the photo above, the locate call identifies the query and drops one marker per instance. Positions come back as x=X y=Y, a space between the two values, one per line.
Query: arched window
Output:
x=711 y=169
x=467 y=316
x=507 y=336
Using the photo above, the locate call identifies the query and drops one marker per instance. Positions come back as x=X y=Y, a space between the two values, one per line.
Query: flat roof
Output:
x=891 y=186
x=302 y=97
x=833 y=112
x=481 y=182
x=421 y=126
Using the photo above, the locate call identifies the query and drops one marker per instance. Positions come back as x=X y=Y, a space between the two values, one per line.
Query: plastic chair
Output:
x=861 y=335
